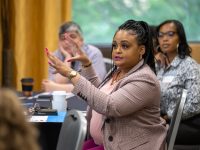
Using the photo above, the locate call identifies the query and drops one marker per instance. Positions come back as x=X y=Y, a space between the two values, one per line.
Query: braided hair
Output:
x=142 y=31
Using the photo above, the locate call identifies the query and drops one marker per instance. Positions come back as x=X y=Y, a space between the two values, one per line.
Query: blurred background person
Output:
x=129 y=97
x=159 y=57
x=177 y=72
x=154 y=38
x=66 y=51
x=16 y=133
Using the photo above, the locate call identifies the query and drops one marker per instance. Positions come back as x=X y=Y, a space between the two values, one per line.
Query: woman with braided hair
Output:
x=128 y=99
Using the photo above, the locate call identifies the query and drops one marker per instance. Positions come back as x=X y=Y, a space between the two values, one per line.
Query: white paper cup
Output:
x=59 y=101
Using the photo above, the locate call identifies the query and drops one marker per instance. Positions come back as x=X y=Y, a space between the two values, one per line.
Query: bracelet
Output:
x=85 y=66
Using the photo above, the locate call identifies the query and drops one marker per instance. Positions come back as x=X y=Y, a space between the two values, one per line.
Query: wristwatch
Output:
x=72 y=74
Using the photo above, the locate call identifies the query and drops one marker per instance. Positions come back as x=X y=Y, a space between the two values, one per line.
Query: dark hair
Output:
x=70 y=26
x=141 y=29
x=183 y=48
x=154 y=35
x=153 y=30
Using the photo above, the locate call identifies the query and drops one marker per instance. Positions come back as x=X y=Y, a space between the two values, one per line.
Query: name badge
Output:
x=168 y=79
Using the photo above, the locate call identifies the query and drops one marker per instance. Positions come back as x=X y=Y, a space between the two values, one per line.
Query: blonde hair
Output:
x=16 y=133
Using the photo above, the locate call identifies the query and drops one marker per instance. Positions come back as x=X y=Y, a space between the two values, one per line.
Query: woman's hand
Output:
x=60 y=66
x=162 y=59
x=65 y=51
x=166 y=118
x=78 y=54
x=66 y=47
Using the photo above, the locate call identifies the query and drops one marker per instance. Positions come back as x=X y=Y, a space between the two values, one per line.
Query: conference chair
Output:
x=73 y=131
x=108 y=63
x=175 y=121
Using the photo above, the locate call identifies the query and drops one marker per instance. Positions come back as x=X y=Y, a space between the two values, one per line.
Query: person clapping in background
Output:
x=65 y=51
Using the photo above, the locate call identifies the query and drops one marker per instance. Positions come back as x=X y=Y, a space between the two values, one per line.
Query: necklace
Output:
x=116 y=77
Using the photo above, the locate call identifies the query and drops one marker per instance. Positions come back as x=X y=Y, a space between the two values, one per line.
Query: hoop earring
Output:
x=158 y=49
x=177 y=47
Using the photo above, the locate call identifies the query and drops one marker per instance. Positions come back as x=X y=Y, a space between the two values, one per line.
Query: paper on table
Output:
x=38 y=119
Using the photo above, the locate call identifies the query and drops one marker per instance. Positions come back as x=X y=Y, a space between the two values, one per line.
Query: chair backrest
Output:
x=175 y=121
x=73 y=131
x=108 y=63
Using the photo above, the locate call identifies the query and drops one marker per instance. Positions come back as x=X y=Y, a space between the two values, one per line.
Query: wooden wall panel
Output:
x=195 y=51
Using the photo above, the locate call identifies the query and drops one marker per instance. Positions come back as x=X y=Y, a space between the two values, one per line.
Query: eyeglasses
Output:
x=169 y=34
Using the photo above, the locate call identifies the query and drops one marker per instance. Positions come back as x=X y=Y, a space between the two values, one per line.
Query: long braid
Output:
x=149 y=55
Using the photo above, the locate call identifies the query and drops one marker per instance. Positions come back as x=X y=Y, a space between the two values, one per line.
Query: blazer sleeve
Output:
x=132 y=94
x=90 y=74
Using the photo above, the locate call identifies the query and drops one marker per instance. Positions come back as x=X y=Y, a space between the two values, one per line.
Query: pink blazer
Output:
x=132 y=109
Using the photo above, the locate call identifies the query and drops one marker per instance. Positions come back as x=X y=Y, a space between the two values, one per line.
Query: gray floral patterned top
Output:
x=181 y=74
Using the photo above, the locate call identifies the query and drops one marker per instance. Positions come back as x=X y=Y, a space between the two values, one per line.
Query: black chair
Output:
x=73 y=131
x=175 y=121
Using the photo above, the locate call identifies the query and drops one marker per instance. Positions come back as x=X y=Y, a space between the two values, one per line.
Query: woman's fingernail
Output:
x=49 y=63
x=46 y=50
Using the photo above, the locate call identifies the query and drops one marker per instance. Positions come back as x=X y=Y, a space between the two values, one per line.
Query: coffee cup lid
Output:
x=27 y=79
x=59 y=93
